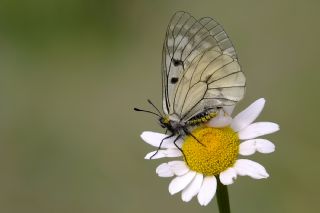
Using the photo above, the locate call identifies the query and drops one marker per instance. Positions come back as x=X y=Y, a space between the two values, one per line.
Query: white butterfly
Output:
x=200 y=73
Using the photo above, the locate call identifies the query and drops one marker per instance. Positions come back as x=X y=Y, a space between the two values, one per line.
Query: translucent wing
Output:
x=200 y=70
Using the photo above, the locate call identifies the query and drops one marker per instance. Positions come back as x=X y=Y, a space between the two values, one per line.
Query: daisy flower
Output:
x=215 y=159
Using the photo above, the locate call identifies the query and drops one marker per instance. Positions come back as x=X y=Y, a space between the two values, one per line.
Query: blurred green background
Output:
x=71 y=72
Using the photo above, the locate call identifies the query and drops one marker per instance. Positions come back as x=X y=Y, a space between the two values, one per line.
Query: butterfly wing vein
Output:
x=208 y=73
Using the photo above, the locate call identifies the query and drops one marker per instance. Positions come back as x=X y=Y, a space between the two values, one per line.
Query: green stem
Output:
x=222 y=197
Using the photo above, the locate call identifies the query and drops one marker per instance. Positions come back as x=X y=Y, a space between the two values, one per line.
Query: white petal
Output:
x=228 y=176
x=180 y=182
x=228 y=109
x=163 y=153
x=207 y=190
x=155 y=155
x=164 y=170
x=247 y=116
x=178 y=167
x=249 y=147
x=220 y=120
x=172 y=153
x=193 y=188
x=250 y=168
x=258 y=129
x=179 y=143
x=154 y=139
x=265 y=146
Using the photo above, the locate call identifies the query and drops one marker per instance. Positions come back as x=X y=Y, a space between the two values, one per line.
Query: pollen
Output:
x=211 y=150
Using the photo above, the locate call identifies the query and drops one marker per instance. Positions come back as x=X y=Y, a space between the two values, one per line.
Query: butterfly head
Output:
x=165 y=122
x=171 y=125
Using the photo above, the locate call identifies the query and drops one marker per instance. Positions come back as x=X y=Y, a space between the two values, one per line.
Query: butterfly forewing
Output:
x=200 y=71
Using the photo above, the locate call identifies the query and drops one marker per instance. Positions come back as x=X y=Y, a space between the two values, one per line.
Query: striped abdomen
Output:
x=201 y=118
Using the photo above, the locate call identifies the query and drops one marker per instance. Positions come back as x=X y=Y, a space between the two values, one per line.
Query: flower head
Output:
x=211 y=152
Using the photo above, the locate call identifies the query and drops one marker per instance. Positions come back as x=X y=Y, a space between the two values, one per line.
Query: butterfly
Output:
x=200 y=74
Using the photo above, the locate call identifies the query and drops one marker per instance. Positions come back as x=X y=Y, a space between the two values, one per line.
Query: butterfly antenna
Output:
x=149 y=101
x=142 y=110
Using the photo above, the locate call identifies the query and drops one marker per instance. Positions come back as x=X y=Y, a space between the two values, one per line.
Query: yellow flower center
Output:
x=215 y=149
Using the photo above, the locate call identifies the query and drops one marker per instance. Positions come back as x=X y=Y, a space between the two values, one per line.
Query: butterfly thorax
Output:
x=171 y=125
x=180 y=127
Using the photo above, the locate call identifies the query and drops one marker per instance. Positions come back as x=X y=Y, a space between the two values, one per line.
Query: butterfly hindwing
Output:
x=200 y=70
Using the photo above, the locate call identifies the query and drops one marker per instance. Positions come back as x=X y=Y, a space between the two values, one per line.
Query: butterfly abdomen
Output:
x=201 y=118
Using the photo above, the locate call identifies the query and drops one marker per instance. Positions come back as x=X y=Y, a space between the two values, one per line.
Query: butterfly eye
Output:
x=177 y=62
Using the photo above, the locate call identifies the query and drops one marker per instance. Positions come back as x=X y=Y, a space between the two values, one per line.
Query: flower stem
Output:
x=222 y=198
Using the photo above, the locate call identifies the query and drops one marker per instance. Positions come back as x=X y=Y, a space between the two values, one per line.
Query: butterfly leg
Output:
x=170 y=136
x=175 y=143
x=189 y=133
